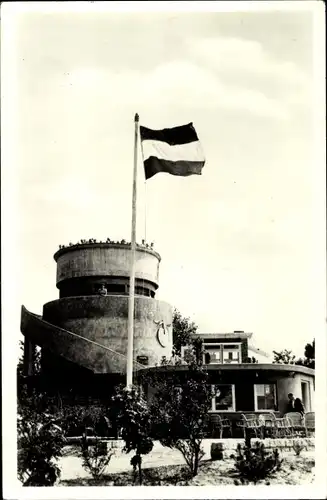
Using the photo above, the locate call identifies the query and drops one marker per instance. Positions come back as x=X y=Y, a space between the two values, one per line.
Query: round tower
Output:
x=93 y=283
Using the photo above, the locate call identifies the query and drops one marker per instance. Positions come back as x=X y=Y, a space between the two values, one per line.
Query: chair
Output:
x=309 y=423
x=296 y=423
x=207 y=426
x=283 y=427
x=249 y=423
x=268 y=424
x=219 y=424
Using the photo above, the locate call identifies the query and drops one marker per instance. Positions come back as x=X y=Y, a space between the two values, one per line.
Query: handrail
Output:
x=100 y=345
x=38 y=317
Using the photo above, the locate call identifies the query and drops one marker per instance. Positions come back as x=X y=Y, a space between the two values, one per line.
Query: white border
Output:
x=10 y=272
x=165 y=6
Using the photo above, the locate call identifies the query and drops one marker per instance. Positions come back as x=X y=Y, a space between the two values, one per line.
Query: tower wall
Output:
x=106 y=260
x=88 y=324
x=105 y=320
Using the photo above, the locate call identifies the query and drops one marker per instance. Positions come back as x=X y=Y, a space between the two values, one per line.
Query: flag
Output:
x=176 y=151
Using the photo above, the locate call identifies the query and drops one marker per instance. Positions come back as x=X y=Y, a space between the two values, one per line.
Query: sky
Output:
x=241 y=244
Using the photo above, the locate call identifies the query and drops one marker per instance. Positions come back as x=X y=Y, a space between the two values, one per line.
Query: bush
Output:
x=179 y=413
x=255 y=463
x=77 y=418
x=96 y=457
x=133 y=418
x=40 y=442
x=298 y=446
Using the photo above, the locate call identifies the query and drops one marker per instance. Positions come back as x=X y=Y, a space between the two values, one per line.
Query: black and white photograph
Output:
x=163 y=250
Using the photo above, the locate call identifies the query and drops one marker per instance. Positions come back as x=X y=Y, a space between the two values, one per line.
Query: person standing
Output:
x=290 y=403
x=298 y=406
x=102 y=290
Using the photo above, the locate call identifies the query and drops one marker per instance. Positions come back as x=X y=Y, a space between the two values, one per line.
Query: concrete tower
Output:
x=88 y=326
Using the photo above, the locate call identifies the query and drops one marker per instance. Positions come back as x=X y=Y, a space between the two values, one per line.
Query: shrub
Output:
x=183 y=329
x=298 y=446
x=77 y=418
x=96 y=457
x=40 y=442
x=133 y=418
x=255 y=463
x=179 y=413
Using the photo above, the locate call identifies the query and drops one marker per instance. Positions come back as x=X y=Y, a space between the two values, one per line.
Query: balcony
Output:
x=217 y=353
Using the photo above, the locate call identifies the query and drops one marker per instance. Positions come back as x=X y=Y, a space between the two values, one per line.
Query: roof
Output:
x=114 y=245
x=222 y=336
x=287 y=370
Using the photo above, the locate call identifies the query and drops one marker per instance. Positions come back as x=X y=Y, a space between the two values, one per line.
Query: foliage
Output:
x=287 y=357
x=133 y=418
x=36 y=361
x=96 y=457
x=180 y=412
x=309 y=351
x=183 y=329
x=40 y=441
x=284 y=357
x=309 y=356
x=298 y=446
x=164 y=360
x=255 y=463
x=20 y=364
x=77 y=418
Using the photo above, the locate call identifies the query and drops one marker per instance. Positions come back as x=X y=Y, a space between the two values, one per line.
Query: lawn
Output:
x=165 y=467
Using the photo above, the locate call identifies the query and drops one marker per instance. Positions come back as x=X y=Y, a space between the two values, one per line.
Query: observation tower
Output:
x=86 y=328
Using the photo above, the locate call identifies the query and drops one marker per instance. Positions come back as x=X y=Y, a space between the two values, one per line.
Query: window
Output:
x=214 y=351
x=113 y=288
x=143 y=360
x=223 y=397
x=222 y=353
x=231 y=353
x=265 y=397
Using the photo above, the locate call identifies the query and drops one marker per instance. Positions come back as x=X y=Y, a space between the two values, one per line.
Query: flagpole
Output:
x=130 y=333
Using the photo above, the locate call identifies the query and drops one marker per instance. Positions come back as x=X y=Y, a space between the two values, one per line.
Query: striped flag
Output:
x=176 y=151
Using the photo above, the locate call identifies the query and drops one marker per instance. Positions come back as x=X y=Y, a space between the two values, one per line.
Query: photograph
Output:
x=163 y=249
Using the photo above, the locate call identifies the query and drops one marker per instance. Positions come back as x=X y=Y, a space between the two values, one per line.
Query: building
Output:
x=246 y=385
x=83 y=333
x=83 y=336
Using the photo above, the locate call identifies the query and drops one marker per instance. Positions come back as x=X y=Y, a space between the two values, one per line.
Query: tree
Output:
x=309 y=356
x=180 y=411
x=36 y=361
x=133 y=418
x=183 y=329
x=40 y=440
x=284 y=357
x=20 y=364
x=309 y=351
x=287 y=357
x=96 y=456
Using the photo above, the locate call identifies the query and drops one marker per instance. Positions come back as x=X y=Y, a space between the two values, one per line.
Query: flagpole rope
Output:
x=145 y=204
x=145 y=209
x=145 y=197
